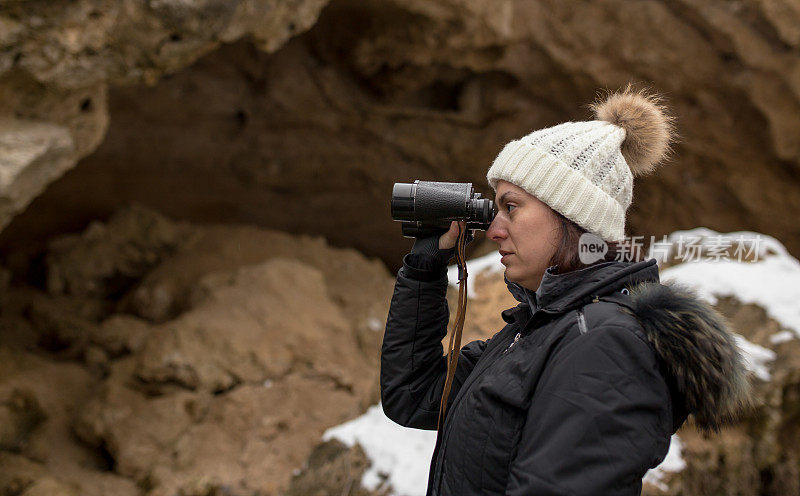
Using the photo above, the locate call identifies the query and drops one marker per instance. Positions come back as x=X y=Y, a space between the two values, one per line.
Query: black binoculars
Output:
x=427 y=208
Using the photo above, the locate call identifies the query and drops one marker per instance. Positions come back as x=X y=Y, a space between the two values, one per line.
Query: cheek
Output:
x=536 y=231
x=541 y=240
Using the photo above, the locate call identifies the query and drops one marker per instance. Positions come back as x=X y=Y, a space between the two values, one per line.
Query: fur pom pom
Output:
x=648 y=126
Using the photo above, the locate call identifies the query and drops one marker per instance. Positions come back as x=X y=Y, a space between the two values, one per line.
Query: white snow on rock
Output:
x=400 y=456
x=756 y=357
x=781 y=337
x=375 y=324
x=771 y=282
x=490 y=262
x=673 y=462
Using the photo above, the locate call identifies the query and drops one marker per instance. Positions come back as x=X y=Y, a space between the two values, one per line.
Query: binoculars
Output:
x=426 y=208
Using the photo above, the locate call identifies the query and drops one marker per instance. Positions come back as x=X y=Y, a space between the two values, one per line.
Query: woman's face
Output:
x=527 y=233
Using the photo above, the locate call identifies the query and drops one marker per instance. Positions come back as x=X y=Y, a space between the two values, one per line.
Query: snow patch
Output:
x=771 y=282
x=490 y=262
x=400 y=456
x=756 y=357
x=375 y=324
x=782 y=337
x=673 y=462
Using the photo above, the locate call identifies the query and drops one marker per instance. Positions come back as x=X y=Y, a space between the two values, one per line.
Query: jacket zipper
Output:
x=510 y=345
x=437 y=484
x=582 y=322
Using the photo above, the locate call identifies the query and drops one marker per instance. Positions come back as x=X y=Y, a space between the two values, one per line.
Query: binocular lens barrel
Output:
x=428 y=207
x=426 y=200
x=403 y=195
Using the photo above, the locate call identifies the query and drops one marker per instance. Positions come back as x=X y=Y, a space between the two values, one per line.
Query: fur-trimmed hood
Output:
x=697 y=351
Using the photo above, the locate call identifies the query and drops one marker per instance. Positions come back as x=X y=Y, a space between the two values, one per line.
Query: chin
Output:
x=517 y=279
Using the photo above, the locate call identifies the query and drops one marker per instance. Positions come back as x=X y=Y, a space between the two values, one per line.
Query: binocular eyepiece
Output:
x=427 y=208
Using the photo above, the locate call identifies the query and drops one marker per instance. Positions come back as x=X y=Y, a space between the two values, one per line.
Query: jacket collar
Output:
x=560 y=292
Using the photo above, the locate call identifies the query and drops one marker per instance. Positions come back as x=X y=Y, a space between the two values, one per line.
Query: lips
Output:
x=503 y=252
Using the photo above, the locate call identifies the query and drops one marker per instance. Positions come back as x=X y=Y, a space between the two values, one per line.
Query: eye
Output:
x=509 y=207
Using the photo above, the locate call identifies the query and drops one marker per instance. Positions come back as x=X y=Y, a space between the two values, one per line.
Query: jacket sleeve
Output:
x=599 y=418
x=413 y=365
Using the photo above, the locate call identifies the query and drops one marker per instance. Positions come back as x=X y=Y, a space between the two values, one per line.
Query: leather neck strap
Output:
x=454 y=346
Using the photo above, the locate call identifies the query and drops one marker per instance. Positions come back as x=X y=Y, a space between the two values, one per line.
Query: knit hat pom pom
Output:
x=649 y=129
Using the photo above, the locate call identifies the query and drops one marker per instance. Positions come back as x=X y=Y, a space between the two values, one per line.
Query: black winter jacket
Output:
x=577 y=396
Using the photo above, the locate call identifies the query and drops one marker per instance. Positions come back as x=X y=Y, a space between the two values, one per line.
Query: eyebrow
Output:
x=507 y=193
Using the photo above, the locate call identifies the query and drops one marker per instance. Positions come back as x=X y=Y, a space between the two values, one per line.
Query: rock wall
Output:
x=58 y=59
x=163 y=358
x=318 y=126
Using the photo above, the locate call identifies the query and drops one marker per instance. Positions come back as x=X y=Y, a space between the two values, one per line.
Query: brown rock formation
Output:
x=260 y=342
x=48 y=460
x=375 y=92
x=57 y=59
x=333 y=468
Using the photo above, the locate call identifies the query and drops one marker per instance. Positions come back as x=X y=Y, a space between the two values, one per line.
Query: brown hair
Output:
x=567 y=256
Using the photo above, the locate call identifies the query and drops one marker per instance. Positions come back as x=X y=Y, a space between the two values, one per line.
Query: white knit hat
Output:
x=584 y=170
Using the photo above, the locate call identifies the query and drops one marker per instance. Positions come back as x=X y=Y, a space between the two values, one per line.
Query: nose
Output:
x=497 y=229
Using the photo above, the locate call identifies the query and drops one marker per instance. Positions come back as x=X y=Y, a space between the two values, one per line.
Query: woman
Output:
x=598 y=364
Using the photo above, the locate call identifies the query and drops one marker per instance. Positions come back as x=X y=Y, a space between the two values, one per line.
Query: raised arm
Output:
x=413 y=365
